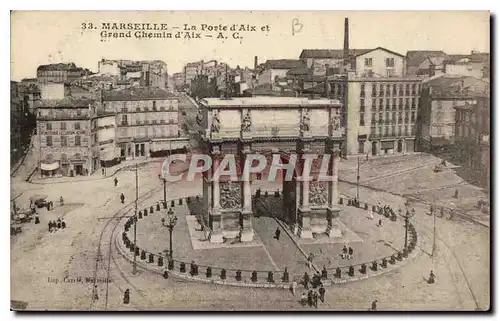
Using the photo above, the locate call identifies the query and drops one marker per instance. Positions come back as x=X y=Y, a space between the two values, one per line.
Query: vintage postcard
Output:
x=251 y=161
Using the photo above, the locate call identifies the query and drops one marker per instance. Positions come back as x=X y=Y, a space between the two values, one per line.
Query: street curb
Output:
x=185 y=276
x=98 y=178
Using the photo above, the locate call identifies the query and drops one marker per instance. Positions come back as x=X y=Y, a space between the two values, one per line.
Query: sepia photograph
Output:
x=250 y=161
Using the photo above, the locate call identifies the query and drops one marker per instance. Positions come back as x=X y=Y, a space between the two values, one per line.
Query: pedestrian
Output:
x=47 y=206
x=277 y=234
x=294 y=287
x=431 y=277
x=380 y=223
x=63 y=224
x=50 y=226
x=95 y=294
x=351 y=253
x=322 y=293
x=344 y=252
x=126 y=296
x=61 y=200
x=37 y=219
x=116 y=181
x=122 y=197
x=315 y=299
x=102 y=171
x=303 y=299
x=306 y=280
x=366 y=156
x=51 y=204
x=310 y=260
x=310 y=298
x=374 y=305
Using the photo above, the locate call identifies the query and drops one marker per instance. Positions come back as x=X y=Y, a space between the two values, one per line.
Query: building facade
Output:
x=440 y=98
x=472 y=137
x=59 y=73
x=63 y=130
x=147 y=121
x=381 y=115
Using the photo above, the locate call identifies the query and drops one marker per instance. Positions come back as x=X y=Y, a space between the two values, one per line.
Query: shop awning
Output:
x=50 y=166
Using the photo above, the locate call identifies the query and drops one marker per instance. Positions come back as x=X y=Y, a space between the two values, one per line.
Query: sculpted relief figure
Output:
x=306 y=122
x=318 y=193
x=199 y=118
x=215 y=122
x=336 y=120
x=246 y=125
x=230 y=196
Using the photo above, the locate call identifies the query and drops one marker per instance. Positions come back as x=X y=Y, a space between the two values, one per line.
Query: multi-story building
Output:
x=377 y=62
x=147 y=121
x=150 y=73
x=29 y=92
x=60 y=73
x=440 y=96
x=275 y=70
x=178 y=78
x=472 y=137
x=425 y=63
x=475 y=65
x=381 y=114
x=63 y=130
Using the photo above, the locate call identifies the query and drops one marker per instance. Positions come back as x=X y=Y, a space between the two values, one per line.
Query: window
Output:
x=374 y=90
x=362 y=93
x=380 y=118
x=146 y=109
x=162 y=121
x=389 y=62
x=153 y=121
x=368 y=62
x=361 y=146
x=400 y=130
x=393 y=116
x=381 y=103
x=412 y=116
x=362 y=105
x=154 y=105
x=362 y=119
x=393 y=131
x=138 y=109
x=386 y=117
x=64 y=141
x=124 y=120
x=413 y=105
x=146 y=121
x=124 y=109
x=77 y=125
x=394 y=102
x=162 y=108
x=63 y=126
x=78 y=112
x=406 y=117
x=374 y=103
x=138 y=122
x=78 y=140
x=407 y=103
x=414 y=89
x=401 y=93
x=394 y=89
x=373 y=118
x=381 y=90
x=49 y=140
x=49 y=126
x=400 y=118
x=386 y=130
x=407 y=89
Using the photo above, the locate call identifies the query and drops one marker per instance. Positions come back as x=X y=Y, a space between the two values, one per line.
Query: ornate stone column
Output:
x=333 y=229
x=304 y=208
x=215 y=211
x=246 y=211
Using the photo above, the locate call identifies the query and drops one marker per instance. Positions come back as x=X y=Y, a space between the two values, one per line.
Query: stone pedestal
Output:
x=216 y=233
x=304 y=231
x=333 y=229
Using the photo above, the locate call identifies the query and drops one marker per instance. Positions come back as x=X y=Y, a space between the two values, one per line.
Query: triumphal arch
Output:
x=271 y=125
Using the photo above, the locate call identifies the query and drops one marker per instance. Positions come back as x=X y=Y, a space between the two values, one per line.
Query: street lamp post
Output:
x=164 y=191
x=407 y=217
x=170 y=224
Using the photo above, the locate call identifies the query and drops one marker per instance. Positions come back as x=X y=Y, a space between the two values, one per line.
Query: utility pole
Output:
x=357 y=184
x=164 y=191
x=134 y=271
x=434 y=236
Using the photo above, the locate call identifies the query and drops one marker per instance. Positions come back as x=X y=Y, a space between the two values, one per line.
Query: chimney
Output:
x=255 y=62
x=346 y=42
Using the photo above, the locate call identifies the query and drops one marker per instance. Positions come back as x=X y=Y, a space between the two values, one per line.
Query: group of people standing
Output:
x=56 y=225
x=347 y=253
x=315 y=290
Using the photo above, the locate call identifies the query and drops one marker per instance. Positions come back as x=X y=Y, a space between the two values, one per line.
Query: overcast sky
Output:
x=50 y=37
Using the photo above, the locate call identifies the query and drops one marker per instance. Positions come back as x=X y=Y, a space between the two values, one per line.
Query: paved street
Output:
x=40 y=259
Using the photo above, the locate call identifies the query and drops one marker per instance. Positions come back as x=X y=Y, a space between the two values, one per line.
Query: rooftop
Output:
x=330 y=53
x=67 y=102
x=136 y=93
x=266 y=101
x=59 y=66
x=416 y=57
x=283 y=64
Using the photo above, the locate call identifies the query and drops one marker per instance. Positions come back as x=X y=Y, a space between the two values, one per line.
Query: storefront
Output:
x=49 y=169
